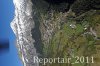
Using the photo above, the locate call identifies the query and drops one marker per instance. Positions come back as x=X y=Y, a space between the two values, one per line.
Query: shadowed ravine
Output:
x=36 y=35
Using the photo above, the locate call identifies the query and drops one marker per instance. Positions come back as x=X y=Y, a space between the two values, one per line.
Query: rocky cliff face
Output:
x=22 y=25
x=50 y=30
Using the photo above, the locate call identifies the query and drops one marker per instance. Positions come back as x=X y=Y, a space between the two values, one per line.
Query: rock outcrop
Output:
x=22 y=25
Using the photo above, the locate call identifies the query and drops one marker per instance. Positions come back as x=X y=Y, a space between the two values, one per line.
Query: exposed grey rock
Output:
x=22 y=25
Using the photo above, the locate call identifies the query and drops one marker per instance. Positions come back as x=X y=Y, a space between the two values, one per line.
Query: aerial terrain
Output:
x=58 y=28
